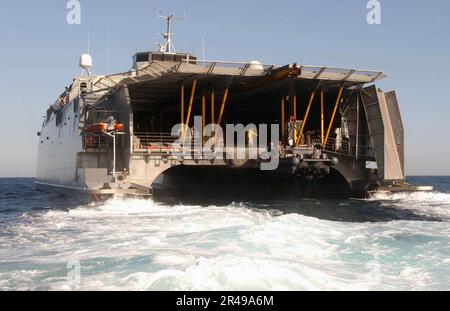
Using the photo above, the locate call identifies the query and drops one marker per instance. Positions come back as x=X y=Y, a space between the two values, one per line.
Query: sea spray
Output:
x=399 y=241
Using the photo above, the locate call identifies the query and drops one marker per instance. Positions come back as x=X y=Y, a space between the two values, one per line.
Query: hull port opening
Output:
x=224 y=184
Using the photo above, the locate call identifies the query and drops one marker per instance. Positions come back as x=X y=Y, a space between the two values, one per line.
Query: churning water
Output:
x=390 y=242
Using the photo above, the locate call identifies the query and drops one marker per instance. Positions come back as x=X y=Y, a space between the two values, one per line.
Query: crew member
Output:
x=251 y=138
x=111 y=124
x=292 y=130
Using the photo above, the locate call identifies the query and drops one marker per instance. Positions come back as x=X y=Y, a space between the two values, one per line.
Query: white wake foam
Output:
x=428 y=203
x=142 y=245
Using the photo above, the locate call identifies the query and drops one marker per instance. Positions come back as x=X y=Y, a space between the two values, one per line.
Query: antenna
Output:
x=168 y=47
x=107 y=50
x=203 y=46
x=86 y=59
x=89 y=41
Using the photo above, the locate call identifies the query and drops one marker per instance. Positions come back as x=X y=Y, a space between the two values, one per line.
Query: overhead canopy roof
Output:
x=167 y=76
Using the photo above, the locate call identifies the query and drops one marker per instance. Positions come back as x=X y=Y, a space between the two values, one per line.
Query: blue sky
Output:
x=39 y=55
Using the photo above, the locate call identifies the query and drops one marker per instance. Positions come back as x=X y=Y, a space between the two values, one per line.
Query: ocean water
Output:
x=389 y=242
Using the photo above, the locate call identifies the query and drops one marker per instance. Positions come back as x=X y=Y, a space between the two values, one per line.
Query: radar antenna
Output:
x=168 y=47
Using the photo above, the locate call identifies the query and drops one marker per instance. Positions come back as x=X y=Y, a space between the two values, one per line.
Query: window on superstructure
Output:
x=141 y=57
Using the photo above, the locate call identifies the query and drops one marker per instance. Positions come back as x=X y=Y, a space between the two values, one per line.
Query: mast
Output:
x=168 y=47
